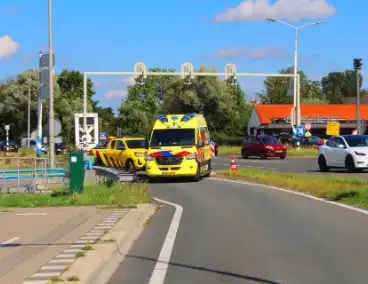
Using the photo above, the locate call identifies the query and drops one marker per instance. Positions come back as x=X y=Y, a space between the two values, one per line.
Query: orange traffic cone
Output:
x=233 y=164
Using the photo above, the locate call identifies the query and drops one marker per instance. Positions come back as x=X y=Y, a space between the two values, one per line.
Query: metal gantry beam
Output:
x=140 y=74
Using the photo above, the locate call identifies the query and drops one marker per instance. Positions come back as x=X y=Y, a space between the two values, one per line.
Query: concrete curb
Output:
x=100 y=264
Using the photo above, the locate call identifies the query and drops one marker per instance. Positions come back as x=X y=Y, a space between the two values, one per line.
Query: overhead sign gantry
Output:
x=187 y=73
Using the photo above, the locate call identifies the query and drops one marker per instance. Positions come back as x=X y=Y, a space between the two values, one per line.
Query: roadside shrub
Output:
x=27 y=152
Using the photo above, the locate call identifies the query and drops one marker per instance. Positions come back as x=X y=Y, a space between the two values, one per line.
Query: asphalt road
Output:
x=234 y=233
x=31 y=237
x=290 y=164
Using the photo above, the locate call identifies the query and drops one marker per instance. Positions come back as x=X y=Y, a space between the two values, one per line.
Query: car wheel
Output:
x=130 y=167
x=283 y=157
x=244 y=156
x=349 y=164
x=322 y=164
x=262 y=155
x=208 y=174
x=197 y=177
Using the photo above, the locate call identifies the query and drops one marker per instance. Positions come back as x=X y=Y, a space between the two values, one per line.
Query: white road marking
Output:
x=112 y=219
x=64 y=261
x=297 y=193
x=67 y=256
x=98 y=227
x=31 y=214
x=159 y=272
x=108 y=222
x=5 y=243
x=45 y=274
x=53 y=267
x=97 y=231
x=73 y=250
x=83 y=242
x=90 y=238
x=77 y=246
x=35 y=282
x=94 y=234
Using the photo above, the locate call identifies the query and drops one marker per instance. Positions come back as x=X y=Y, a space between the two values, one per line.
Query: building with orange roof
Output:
x=270 y=119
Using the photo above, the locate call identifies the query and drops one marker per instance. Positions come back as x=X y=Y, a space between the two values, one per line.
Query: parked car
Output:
x=345 y=151
x=13 y=147
x=263 y=146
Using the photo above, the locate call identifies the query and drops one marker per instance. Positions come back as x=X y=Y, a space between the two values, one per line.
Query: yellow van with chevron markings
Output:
x=125 y=153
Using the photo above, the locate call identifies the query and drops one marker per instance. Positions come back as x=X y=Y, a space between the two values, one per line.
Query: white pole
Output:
x=84 y=109
x=39 y=127
x=296 y=112
x=29 y=112
x=51 y=99
x=39 y=119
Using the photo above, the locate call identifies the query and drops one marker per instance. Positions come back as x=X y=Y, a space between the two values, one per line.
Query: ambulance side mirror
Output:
x=200 y=143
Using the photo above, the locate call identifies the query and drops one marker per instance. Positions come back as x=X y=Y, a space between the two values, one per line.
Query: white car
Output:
x=345 y=151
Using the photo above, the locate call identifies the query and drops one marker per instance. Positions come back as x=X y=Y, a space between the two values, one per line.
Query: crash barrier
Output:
x=106 y=173
x=212 y=150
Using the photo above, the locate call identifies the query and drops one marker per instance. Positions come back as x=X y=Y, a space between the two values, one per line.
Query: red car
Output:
x=263 y=146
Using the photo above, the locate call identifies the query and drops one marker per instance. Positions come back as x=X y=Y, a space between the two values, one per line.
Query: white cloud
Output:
x=295 y=10
x=257 y=53
x=8 y=47
x=115 y=94
x=125 y=81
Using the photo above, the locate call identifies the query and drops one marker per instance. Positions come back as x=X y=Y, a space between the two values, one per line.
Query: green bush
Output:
x=225 y=139
x=27 y=152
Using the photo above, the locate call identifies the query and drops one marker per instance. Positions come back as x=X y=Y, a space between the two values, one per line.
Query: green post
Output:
x=74 y=173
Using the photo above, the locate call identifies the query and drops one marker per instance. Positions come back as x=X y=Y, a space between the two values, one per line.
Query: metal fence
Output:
x=29 y=174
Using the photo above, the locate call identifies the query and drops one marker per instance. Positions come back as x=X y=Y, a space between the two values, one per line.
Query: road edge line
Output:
x=160 y=270
x=352 y=208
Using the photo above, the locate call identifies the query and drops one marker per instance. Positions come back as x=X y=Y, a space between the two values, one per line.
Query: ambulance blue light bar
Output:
x=187 y=117
x=163 y=118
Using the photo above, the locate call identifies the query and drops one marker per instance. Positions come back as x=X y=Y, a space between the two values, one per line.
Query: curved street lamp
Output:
x=296 y=93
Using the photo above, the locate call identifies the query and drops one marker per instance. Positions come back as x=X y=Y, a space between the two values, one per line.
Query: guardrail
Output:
x=28 y=173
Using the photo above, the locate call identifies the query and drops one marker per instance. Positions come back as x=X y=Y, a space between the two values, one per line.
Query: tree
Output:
x=337 y=85
x=14 y=103
x=276 y=88
x=221 y=103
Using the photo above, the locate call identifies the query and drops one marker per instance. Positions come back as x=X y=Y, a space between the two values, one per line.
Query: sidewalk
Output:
x=31 y=237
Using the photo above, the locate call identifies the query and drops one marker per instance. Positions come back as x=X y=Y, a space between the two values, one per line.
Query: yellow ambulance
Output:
x=179 y=147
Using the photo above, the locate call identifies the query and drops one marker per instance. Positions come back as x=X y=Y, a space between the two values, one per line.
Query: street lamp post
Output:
x=296 y=81
x=51 y=86
x=29 y=112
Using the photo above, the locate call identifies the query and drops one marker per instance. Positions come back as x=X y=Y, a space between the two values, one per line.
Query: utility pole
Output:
x=29 y=113
x=357 y=67
x=51 y=86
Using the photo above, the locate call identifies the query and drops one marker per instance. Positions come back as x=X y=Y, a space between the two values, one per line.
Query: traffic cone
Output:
x=233 y=164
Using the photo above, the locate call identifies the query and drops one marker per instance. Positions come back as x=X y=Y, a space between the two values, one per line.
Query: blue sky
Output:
x=93 y=36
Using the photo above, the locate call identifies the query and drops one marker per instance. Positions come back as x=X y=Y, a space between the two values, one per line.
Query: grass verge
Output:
x=349 y=190
x=118 y=195
x=303 y=151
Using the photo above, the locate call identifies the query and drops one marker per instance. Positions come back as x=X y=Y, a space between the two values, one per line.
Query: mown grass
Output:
x=303 y=151
x=118 y=195
x=350 y=190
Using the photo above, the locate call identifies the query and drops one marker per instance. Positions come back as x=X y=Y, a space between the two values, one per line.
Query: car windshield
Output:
x=357 y=140
x=136 y=144
x=269 y=140
x=102 y=144
x=172 y=137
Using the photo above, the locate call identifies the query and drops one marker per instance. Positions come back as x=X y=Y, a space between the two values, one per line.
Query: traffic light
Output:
x=357 y=63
